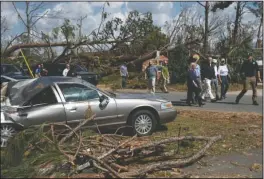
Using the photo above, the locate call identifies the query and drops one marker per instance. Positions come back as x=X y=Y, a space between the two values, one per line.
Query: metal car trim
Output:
x=56 y=94
x=60 y=93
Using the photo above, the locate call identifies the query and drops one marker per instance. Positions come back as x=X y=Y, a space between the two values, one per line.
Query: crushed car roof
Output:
x=20 y=92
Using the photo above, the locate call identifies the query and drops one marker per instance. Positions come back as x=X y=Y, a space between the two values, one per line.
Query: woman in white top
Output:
x=223 y=78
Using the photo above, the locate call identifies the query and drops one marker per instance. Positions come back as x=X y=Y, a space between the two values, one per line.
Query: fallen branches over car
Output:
x=58 y=150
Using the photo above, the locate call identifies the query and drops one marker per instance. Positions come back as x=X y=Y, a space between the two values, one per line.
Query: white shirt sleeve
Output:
x=65 y=72
x=219 y=68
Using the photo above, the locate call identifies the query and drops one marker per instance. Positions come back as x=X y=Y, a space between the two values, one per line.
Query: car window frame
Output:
x=63 y=98
x=57 y=97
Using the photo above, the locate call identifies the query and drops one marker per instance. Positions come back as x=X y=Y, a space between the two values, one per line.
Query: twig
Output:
x=112 y=171
x=122 y=128
x=76 y=129
x=178 y=147
x=83 y=166
x=80 y=143
x=119 y=167
x=52 y=131
x=113 y=150
x=100 y=168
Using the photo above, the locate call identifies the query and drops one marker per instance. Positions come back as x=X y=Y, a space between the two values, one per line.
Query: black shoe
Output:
x=237 y=101
x=213 y=100
x=201 y=104
x=255 y=103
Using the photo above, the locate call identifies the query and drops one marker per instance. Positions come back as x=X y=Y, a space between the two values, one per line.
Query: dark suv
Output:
x=12 y=71
x=56 y=69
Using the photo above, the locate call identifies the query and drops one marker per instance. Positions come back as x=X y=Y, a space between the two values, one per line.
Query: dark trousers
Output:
x=196 y=90
x=194 y=95
x=124 y=81
x=224 y=85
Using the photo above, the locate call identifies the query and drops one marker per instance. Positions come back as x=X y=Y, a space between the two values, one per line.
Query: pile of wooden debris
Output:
x=57 y=150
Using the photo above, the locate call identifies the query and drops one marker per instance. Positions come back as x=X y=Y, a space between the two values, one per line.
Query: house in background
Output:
x=156 y=61
x=159 y=60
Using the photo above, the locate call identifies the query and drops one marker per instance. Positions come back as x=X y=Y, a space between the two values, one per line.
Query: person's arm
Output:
x=258 y=73
x=218 y=74
x=156 y=73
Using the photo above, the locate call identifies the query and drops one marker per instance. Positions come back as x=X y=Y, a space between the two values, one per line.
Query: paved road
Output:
x=227 y=104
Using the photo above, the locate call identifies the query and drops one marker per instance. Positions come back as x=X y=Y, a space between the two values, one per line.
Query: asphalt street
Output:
x=228 y=104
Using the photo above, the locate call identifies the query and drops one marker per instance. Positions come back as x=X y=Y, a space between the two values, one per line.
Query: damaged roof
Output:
x=20 y=92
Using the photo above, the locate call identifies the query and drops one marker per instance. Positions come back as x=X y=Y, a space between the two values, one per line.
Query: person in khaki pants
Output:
x=249 y=70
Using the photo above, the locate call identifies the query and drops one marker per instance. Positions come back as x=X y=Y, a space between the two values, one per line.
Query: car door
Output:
x=45 y=107
x=77 y=98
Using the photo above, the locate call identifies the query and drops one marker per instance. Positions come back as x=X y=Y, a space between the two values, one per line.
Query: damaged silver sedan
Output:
x=64 y=99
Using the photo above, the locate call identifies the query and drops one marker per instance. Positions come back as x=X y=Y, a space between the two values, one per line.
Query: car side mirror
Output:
x=103 y=102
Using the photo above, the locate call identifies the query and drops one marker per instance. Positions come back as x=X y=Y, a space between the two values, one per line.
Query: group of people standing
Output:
x=200 y=80
x=152 y=75
x=40 y=71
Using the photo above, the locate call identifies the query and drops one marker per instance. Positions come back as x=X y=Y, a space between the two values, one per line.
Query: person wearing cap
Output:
x=214 y=81
x=207 y=74
x=223 y=74
x=250 y=72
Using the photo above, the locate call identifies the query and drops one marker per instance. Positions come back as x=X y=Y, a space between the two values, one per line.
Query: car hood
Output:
x=145 y=96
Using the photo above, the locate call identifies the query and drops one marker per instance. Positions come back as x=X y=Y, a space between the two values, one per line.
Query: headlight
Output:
x=167 y=105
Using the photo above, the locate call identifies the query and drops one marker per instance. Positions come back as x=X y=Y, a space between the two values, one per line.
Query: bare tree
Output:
x=31 y=16
x=206 y=25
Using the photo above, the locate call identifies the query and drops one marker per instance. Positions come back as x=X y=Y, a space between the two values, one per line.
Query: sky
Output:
x=161 y=12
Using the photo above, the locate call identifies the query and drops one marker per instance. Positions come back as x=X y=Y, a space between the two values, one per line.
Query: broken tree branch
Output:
x=173 y=164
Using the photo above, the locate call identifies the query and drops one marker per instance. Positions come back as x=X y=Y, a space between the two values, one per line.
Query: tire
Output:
x=7 y=132
x=149 y=127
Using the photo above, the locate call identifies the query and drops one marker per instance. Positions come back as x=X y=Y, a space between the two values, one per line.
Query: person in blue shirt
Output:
x=38 y=71
x=152 y=74
x=193 y=85
x=194 y=59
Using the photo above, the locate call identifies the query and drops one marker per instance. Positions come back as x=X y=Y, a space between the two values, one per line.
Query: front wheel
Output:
x=7 y=132
x=144 y=122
